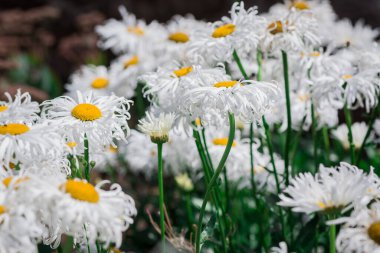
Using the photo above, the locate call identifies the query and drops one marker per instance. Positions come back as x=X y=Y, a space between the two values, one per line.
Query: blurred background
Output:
x=43 y=41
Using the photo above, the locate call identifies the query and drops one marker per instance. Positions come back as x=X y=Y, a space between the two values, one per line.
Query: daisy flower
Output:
x=331 y=190
x=19 y=108
x=100 y=119
x=238 y=32
x=92 y=78
x=282 y=248
x=248 y=100
x=184 y=182
x=359 y=130
x=129 y=34
x=361 y=231
x=292 y=32
x=157 y=127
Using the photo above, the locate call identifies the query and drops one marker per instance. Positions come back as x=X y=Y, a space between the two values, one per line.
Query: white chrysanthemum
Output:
x=331 y=190
x=157 y=127
x=92 y=78
x=20 y=230
x=127 y=68
x=89 y=213
x=25 y=143
x=100 y=118
x=165 y=86
x=356 y=36
x=129 y=34
x=294 y=31
x=247 y=99
x=361 y=231
x=282 y=248
x=359 y=130
x=19 y=109
x=217 y=42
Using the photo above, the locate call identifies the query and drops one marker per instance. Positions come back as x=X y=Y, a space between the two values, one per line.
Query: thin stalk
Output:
x=226 y=190
x=326 y=141
x=289 y=116
x=86 y=158
x=368 y=133
x=347 y=115
x=189 y=210
x=211 y=185
x=314 y=135
x=203 y=138
x=241 y=68
x=161 y=192
x=332 y=235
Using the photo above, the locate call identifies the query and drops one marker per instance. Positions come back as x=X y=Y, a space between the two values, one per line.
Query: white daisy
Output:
x=282 y=248
x=157 y=127
x=359 y=130
x=21 y=108
x=100 y=119
x=330 y=190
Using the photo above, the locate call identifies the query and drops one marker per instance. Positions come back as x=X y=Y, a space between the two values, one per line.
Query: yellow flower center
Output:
x=136 y=30
x=183 y=71
x=315 y=54
x=81 y=190
x=179 y=37
x=112 y=149
x=300 y=5
x=133 y=61
x=13 y=129
x=374 y=232
x=258 y=169
x=2 y=209
x=71 y=144
x=86 y=112
x=223 y=31
x=198 y=122
x=222 y=142
x=7 y=181
x=275 y=27
x=304 y=97
x=99 y=83
x=346 y=77
x=225 y=84
x=3 y=108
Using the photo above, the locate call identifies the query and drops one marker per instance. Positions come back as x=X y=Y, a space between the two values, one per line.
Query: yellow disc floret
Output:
x=346 y=77
x=71 y=144
x=100 y=83
x=8 y=180
x=133 y=61
x=179 y=37
x=223 y=31
x=222 y=142
x=183 y=71
x=300 y=5
x=86 y=112
x=374 y=232
x=136 y=30
x=225 y=84
x=2 y=209
x=275 y=27
x=81 y=190
x=3 y=108
x=13 y=129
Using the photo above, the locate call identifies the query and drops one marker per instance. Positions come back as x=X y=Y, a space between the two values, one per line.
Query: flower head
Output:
x=157 y=127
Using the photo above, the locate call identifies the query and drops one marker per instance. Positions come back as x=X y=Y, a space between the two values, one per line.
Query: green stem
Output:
x=203 y=138
x=314 y=135
x=241 y=68
x=326 y=141
x=347 y=115
x=161 y=190
x=211 y=185
x=289 y=116
x=189 y=210
x=368 y=133
x=86 y=158
x=332 y=238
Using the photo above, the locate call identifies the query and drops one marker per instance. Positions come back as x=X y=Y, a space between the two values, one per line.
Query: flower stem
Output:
x=86 y=158
x=189 y=210
x=161 y=192
x=332 y=233
x=241 y=68
x=326 y=140
x=212 y=182
x=289 y=116
x=314 y=135
x=347 y=115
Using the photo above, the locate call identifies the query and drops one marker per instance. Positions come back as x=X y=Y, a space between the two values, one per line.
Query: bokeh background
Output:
x=43 y=41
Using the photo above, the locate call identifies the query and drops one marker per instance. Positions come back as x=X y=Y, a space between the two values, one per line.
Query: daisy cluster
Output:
x=224 y=96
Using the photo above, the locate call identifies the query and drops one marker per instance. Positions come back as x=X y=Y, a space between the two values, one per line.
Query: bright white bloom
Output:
x=19 y=109
x=359 y=130
x=292 y=32
x=361 y=231
x=98 y=118
x=282 y=248
x=238 y=32
x=129 y=34
x=330 y=190
x=25 y=143
x=157 y=127
x=247 y=99
x=92 y=78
